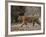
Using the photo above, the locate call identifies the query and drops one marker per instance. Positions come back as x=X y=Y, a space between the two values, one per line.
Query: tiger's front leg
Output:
x=25 y=23
x=23 y=20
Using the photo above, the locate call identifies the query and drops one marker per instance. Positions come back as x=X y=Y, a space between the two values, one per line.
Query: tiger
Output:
x=27 y=19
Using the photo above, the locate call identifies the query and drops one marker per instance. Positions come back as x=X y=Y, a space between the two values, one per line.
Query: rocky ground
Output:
x=28 y=27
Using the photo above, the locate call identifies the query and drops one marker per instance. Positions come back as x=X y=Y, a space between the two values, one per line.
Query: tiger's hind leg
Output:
x=33 y=23
x=38 y=22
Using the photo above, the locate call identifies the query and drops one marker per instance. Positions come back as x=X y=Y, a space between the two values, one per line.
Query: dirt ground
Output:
x=28 y=27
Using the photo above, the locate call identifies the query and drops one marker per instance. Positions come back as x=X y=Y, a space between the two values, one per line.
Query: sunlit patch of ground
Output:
x=28 y=27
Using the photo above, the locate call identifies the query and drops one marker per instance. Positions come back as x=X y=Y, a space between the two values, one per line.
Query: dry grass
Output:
x=27 y=27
